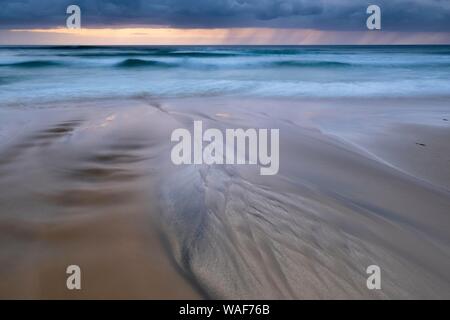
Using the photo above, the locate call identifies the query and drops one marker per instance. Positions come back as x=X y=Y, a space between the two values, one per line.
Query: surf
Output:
x=135 y=63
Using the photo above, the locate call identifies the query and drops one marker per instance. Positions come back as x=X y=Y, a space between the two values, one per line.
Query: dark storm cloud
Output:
x=398 y=15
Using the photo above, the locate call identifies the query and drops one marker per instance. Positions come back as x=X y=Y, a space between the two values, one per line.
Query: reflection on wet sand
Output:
x=84 y=206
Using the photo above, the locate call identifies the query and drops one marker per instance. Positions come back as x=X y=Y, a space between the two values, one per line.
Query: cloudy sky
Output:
x=224 y=22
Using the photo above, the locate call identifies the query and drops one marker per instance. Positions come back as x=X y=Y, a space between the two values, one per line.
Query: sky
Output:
x=126 y=22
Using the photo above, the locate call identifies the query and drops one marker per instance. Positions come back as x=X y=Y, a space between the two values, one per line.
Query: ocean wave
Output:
x=198 y=63
x=32 y=64
x=243 y=64
x=136 y=63
x=310 y=64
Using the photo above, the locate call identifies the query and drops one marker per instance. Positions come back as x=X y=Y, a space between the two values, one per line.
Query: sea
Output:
x=30 y=74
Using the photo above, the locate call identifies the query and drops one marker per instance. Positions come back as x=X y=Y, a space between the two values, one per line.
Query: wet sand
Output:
x=360 y=183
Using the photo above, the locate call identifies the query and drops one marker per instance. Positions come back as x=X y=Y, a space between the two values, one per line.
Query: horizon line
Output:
x=229 y=45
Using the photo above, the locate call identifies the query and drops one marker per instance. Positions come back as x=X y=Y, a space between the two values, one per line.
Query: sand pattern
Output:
x=96 y=187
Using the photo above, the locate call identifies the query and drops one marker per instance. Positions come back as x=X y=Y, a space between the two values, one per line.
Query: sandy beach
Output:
x=361 y=182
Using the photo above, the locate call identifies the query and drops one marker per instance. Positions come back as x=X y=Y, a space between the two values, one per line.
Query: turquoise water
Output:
x=29 y=74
